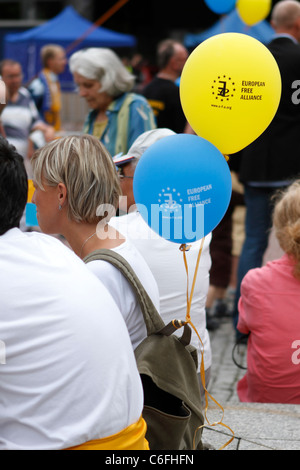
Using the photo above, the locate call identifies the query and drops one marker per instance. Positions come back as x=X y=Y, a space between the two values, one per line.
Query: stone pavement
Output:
x=255 y=426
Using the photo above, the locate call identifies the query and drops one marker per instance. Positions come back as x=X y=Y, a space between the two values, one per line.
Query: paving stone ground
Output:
x=255 y=426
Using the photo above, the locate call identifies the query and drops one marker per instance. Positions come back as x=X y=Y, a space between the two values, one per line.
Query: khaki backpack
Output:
x=168 y=368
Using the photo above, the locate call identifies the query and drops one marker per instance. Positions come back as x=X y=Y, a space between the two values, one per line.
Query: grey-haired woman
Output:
x=117 y=115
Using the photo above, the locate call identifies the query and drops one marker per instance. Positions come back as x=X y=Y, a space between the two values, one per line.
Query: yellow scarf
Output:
x=131 y=438
x=52 y=116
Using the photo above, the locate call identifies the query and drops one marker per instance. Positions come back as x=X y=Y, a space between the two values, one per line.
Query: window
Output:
x=50 y=9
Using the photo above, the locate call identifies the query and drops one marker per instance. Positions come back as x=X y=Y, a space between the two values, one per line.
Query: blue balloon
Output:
x=221 y=6
x=182 y=187
x=30 y=215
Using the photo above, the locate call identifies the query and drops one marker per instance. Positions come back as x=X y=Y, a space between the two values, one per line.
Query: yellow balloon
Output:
x=253 y=11
x=230 y=90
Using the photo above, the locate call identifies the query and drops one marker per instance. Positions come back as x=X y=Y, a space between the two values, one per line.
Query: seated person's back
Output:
x=269 y=312
x=70 y=375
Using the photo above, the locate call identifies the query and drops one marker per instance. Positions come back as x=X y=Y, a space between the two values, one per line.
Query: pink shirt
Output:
x=270 y=310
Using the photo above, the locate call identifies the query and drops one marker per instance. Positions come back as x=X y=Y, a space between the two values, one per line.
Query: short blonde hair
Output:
x=286 y=220
x=85 y=167
x=49 y=51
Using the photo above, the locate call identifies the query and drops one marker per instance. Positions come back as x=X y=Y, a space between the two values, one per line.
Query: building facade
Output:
x=32 y=10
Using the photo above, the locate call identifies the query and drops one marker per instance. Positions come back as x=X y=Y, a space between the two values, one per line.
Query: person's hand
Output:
x=49 y=133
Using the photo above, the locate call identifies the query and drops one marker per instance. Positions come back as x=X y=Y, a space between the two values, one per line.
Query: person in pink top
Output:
x=269 y=310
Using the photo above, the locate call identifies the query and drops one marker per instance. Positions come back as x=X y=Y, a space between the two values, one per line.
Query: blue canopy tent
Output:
x=232 y=23
x=65 y=29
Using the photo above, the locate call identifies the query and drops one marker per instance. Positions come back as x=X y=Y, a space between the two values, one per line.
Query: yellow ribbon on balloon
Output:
x=184 y=249
x=253 y=11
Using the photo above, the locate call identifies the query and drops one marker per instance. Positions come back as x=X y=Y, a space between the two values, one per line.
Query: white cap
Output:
x=141 y=144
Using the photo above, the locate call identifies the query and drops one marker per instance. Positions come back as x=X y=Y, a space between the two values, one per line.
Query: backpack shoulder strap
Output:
x=153 y=320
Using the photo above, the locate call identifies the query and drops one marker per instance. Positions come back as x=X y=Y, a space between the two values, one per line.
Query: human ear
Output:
x=62 y=195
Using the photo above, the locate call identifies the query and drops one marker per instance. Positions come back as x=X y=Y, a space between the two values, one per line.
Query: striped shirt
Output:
x=19 y=119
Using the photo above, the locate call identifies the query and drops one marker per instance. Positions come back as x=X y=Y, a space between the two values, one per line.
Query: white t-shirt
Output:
x=122 y=292
x=69 y=374
x=167 y=265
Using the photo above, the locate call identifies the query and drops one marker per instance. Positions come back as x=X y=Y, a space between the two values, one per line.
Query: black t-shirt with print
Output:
x=164 y=98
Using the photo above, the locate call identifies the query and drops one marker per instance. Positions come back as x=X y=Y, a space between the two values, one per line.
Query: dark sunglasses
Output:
x=121 y=175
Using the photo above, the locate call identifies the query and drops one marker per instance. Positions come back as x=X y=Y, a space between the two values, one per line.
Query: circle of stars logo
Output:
x=170 y=200
x=223 y=88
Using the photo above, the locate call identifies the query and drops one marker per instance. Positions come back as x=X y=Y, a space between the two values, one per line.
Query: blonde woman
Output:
x=118 y=116
x=77 y=189
x=269 y=311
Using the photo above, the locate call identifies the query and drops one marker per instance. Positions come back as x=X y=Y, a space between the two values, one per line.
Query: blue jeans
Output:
x=257 y=227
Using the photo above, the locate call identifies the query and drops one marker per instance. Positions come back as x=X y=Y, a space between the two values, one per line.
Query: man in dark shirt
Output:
x=272 y=162
x=162 y=92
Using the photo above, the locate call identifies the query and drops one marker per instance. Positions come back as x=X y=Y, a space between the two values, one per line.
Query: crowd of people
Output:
x=70 y=380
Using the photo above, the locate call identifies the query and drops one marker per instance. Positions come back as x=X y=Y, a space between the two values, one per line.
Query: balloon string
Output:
x=184 y=249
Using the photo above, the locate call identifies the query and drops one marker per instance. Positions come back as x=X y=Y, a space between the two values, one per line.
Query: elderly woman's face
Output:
x=89 y=89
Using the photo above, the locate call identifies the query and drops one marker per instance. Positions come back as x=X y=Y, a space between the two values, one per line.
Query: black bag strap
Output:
x=242 y=340
x=153 y=320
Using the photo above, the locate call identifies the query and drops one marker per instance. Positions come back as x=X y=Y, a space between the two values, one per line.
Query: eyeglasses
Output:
x=121 y=175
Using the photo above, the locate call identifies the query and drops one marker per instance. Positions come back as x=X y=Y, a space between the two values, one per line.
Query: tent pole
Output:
x=97 y=23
